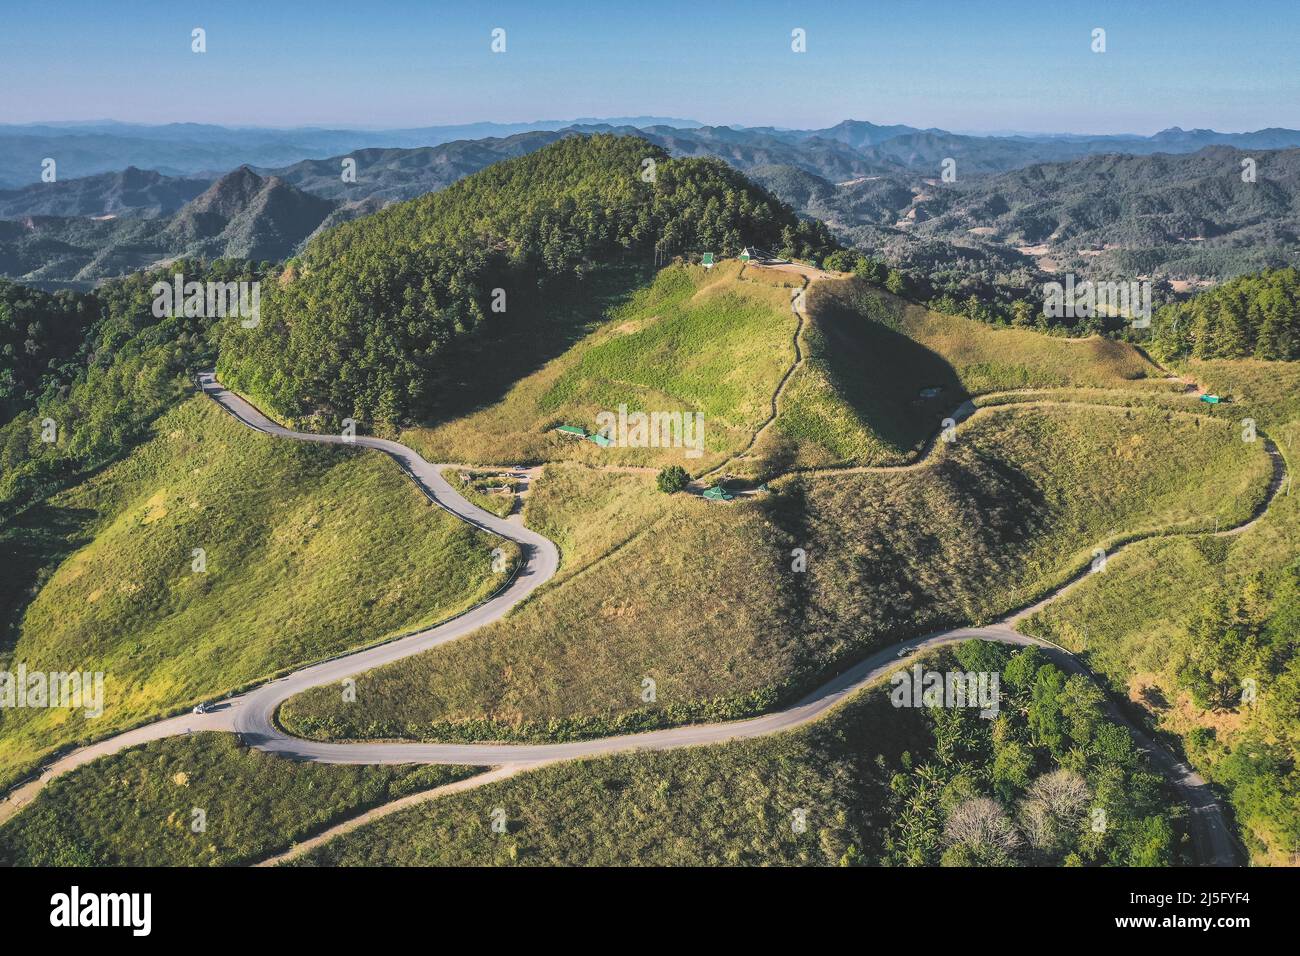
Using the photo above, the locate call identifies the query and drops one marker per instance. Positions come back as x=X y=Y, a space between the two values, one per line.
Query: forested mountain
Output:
x=1177 y=216
x=859 y=133
x=1129 y=200
x=1255 y=316
x=110 y=367
x=242 y=215
x=245 y=216
x=354 y=330
x=746 y=149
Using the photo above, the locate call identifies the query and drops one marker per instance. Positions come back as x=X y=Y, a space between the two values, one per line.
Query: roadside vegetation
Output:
x=140 y=807
x=307 y=551
x=704 y=600
x=483 y=490
x=869 y=784
x=1190 y=629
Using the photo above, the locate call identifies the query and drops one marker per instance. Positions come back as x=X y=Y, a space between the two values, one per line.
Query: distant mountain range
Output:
x=130 y=192
x=1018 y=200
x=1185 y=216
x=242 y=215
x=849 y=148
x=190 y=149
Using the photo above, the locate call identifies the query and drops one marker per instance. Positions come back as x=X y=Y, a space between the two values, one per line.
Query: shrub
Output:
x=672 y=479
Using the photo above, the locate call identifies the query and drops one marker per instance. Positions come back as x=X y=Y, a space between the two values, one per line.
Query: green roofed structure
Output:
x=599 y=439
x=572 y=430
x=718 y=493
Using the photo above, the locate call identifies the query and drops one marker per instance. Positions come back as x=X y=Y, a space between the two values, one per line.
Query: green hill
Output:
x=1224 y=615
x=358 y=330
x=875 y=784
x=690 y=340
x=309 y=551
x=702 y=597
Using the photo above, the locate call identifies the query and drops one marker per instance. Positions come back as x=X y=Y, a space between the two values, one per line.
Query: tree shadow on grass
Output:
x=879 y=371
x=476 y=371
x=32 y=545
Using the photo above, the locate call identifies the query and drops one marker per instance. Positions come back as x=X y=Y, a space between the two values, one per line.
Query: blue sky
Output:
x=969 y=65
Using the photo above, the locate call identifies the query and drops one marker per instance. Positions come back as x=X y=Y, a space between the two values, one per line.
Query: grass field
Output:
x=137 y=808
x=690 y=341
x=309 y=551
x=868 y=784
x=1270 y=391
x=858 y=397
x=590 y=513
x=702 y=598
x=1135 y=624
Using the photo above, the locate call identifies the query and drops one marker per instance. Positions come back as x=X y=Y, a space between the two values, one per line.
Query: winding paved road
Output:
x=253 y=714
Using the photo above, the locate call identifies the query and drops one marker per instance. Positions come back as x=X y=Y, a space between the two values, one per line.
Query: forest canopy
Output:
x=1254 y=316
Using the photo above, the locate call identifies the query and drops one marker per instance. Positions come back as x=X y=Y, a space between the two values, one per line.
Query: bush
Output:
x=672 y=479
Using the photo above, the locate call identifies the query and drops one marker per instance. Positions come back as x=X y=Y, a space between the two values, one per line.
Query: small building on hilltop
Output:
x=760 y=256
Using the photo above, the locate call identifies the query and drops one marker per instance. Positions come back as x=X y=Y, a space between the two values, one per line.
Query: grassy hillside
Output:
x=719 y=342
x=702 y=598
x=858 y=397
x=1223 y=611
x=877 y=785
x=690 y=341
x=136 y=808
x=309 y=551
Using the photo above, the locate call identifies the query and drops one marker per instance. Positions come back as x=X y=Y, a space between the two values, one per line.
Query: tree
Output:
x=1012 y=764
x=1053 y=809
x=1022 y=313
x=896 y=283
x=1045 y=721
x=672 y=479
x=983 y=827
x=841 y=260
x=870 y=270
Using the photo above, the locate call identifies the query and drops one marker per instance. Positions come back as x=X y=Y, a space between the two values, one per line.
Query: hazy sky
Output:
x=960 y=64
